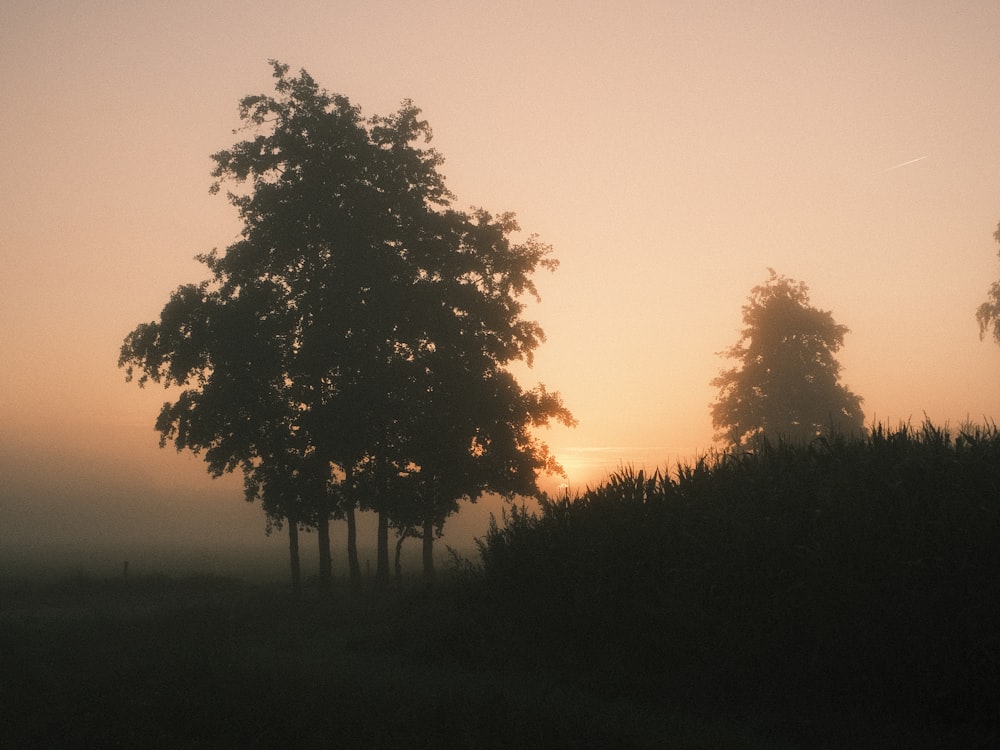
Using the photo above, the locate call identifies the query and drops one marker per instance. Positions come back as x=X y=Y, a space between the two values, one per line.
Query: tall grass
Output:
x=863 y=571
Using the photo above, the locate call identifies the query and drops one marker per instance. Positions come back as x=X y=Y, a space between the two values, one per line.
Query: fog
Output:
x=63 y=513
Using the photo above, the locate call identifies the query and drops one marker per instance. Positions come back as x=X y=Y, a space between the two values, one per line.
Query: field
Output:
x=843 y=594
x=211 y=662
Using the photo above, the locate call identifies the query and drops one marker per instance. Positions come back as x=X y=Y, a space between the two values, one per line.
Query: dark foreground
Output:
x=840 y=594
x=208 y=662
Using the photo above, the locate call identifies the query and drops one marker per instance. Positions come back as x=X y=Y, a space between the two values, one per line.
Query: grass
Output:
x=841 y=594
x=204 y=662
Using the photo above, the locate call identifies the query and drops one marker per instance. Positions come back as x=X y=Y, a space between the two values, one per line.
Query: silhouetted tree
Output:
x=320 y=346
x=474 y=437
x=787 y=384
x=988 y=313
x=239 y=410
x=288 y=490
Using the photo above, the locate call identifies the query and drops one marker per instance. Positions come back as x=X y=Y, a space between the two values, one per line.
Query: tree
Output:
x=988 y=313
x=318 y=356
x=238 y=410
x=475 y=437
x=787 y=384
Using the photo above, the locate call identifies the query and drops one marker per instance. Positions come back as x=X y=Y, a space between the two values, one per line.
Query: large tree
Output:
x=988 y=313
x=787 y=383
x=320 y=356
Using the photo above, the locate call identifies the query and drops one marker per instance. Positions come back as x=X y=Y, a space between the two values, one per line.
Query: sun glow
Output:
x=660 y=229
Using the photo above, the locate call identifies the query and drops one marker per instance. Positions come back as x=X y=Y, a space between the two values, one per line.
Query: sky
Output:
x=669 y=152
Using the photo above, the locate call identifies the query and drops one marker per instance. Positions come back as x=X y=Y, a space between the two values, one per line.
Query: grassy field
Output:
x=208 y=662
x=844 y=594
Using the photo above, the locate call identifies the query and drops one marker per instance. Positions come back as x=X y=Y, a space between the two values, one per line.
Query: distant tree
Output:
x=787 y=383
x=316 y=358
x=988 y=313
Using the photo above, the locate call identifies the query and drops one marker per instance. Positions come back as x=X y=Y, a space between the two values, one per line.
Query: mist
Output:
x=84 y=513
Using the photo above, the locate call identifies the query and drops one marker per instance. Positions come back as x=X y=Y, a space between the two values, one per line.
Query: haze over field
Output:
x=670 y=153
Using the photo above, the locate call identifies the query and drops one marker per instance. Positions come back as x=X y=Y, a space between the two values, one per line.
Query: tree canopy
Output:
x=360 y=326
x=787 y=383
x=988 y=313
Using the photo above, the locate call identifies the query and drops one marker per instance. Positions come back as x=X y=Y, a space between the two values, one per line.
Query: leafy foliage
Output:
x=787 y=383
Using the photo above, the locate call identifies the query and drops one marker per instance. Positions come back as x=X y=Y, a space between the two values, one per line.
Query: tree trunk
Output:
x=398 y=565
x=325 y=561
x=293 y=554
x=428 y=539
x=353 y=566
x=382 y=560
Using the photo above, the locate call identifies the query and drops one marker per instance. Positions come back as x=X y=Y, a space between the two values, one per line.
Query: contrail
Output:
x=905 y=163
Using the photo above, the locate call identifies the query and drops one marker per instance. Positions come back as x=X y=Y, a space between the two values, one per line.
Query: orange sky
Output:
x=669 y=151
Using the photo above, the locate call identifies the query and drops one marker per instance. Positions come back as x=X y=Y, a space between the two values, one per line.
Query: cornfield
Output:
x=863 y=570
